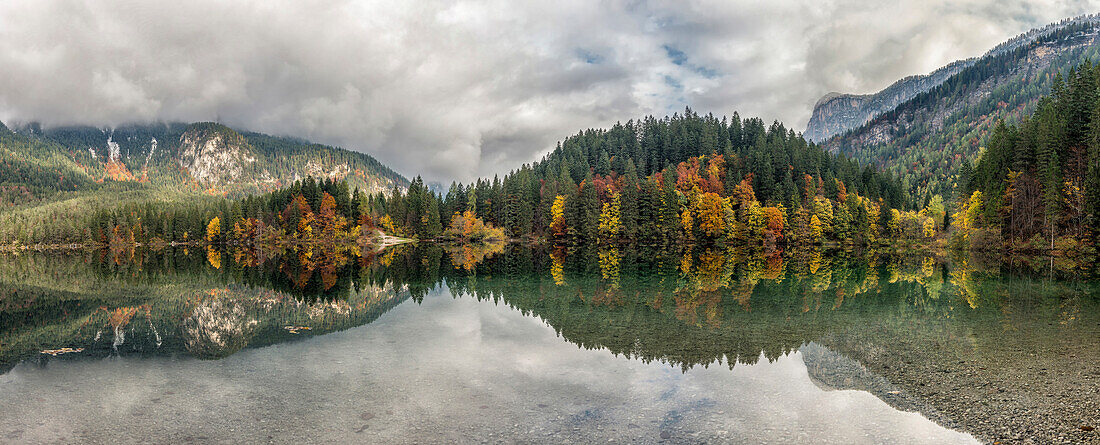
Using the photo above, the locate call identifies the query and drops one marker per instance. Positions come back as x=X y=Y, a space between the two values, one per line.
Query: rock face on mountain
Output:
x=203 y=156
x=928 y=138
x=214 y=153
x=836 y=113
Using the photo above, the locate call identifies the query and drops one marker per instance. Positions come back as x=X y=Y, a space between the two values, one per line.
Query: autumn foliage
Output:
x=467 y=227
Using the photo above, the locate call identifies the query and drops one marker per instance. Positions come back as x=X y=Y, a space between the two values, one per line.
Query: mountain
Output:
x=209 y=158
x=836 y=113
x=926 y=139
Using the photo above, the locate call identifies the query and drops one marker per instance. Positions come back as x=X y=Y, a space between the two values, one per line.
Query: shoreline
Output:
x=381 y=241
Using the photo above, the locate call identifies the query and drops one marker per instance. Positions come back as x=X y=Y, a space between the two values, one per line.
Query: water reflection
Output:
x=449 y=371
x=919 y=333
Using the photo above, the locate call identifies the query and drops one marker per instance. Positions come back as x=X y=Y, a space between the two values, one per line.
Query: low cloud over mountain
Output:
x=460 y=89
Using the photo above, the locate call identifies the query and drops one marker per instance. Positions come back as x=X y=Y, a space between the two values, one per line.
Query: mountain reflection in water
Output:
x=919 y=334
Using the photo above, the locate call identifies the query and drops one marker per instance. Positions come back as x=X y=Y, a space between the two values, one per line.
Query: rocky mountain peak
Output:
x=213 y=153
x=836 y=113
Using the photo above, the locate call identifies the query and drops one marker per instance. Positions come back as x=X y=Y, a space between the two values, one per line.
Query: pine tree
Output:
x=603 y=165
x=629 y=201
x=433 y=226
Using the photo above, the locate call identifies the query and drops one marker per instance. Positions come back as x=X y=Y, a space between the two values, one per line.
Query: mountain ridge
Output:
x=204 y=157
x=836 y=113
x=926 y=139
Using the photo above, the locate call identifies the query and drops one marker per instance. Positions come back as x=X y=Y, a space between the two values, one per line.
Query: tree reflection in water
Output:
x=685 y=306
x=908 y=319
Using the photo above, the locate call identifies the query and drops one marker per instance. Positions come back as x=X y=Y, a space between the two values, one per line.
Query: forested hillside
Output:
x=684 y=178
x=1037 y=184
x=307 y=212
x=31 y=168
x=53 y=180
x=926 y=140
x=201 y=158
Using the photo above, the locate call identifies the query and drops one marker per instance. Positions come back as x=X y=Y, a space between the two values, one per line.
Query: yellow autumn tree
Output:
x=929 y=228
x=968 y=217
x=214 y=257
x=816 y=232
x=305 y=225
x=213 y=229
x=874 y=211
x=708 y=209
x=610 y=216
x=388 y=225
x=686 y=222
x=557 y=266
x=893 y=225
x=557 y=216
x=609 y=266
x=756 y=222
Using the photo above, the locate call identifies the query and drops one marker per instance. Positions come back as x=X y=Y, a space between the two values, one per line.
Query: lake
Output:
x=504 y=344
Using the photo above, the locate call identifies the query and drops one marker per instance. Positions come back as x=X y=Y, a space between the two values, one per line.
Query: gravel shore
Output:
x=1008 y=388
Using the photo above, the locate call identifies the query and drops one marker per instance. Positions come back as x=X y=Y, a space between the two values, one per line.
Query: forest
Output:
x=681 y=179
x=686 y=178
x=1036 y=187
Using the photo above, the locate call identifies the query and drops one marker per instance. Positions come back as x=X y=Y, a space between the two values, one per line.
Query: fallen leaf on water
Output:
x=57 y=352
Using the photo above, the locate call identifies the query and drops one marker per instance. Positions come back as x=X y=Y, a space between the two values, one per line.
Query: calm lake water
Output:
x=428 y=344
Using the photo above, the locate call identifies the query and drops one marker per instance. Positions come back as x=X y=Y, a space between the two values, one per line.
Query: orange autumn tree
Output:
x=775 y=219
x=716 y=174
x=467 y=227
x=246 y=229
x=710 y=180
x=743 y=194
x=687 y=176
x=841 y=192
x=330 y=224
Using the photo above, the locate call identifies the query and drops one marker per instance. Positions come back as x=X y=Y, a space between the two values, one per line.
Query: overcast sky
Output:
x=458 y=89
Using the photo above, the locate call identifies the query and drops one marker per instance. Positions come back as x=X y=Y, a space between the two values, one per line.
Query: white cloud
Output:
x=468 y=88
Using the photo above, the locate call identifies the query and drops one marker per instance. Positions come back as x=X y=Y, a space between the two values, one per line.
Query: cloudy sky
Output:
x=458 y=89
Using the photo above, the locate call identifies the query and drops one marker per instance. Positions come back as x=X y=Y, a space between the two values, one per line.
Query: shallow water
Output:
x=528 y=346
